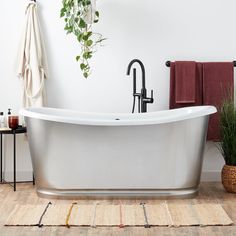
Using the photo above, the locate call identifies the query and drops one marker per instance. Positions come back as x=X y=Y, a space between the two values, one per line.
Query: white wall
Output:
x=151 y=30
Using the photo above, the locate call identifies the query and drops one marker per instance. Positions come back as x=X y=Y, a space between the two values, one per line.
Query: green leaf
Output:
x=82 y=23
x=89 y=43
x=63 y=10
x=87 y=55
x=77 y=58
x=79 y=37
x=87 y=35
x=85 y=75
x=82 y=66
x=69 y=30
x=95 y=21
x=97 y=13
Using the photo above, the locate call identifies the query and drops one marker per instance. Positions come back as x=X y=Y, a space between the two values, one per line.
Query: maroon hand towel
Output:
x=218 y=84
x=185 y=81
x=198 y=87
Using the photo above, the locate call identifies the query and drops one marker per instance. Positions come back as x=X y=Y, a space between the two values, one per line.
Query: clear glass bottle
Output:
x=2 y=120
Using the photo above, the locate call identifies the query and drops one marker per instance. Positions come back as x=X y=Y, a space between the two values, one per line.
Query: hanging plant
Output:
x=79 y=16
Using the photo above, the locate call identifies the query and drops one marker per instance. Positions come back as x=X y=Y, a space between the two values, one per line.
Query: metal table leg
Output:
x=33 y=179
x=14 y=161
x=1 y=158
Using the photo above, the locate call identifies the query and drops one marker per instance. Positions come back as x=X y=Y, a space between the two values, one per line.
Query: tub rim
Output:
x=116 y=119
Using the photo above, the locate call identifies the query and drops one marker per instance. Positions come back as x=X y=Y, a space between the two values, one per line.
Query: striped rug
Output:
x=101 y=215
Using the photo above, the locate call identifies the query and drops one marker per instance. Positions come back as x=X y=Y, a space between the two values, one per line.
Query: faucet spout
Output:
x=142 y=68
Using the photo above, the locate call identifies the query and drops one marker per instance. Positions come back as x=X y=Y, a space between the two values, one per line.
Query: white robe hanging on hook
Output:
x=32 y=64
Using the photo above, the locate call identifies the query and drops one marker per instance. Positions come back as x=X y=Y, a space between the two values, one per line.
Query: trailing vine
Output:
x=79 y=16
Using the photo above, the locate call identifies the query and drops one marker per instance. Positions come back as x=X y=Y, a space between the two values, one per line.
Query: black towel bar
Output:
x=168 y=63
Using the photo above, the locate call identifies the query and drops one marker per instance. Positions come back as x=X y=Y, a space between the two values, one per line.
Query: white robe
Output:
x=32 y=64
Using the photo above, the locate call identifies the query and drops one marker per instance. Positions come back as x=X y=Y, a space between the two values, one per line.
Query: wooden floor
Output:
x=25 y=194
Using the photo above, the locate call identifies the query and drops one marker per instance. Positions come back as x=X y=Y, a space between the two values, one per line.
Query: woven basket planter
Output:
x=228 y=176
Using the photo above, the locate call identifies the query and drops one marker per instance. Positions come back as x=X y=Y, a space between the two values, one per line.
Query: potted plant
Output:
x=80 y=16
x=228 y=144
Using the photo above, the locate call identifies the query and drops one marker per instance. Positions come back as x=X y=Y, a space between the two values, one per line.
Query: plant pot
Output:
x=228 y=177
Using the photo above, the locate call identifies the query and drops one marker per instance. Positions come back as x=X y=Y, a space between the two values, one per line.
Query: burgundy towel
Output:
x=198 y=87
x=218 y=84
x=185 y=81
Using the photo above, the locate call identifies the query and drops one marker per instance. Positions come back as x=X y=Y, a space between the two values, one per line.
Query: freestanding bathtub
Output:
x=87 y=154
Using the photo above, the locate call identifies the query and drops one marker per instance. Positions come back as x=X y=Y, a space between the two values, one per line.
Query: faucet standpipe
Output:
x=142 y=97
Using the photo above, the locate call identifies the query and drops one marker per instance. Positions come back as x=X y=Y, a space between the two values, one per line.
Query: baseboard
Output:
x=210 y=176
x=20 y=176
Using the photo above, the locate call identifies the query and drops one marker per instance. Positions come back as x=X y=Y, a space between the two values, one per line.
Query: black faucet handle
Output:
x=149 y=100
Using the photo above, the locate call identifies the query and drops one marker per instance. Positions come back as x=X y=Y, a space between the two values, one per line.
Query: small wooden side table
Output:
x=19 y=130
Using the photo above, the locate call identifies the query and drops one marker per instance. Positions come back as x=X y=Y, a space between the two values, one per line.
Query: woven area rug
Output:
x=101 y=215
